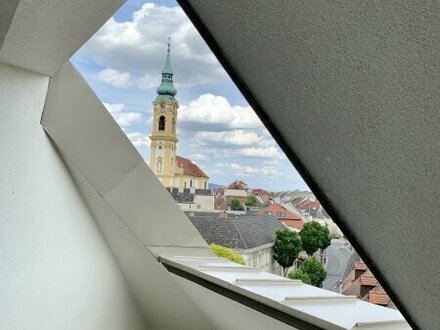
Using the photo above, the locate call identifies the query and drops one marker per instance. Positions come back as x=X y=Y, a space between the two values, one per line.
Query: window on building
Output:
x=190 y=183
x=281 y=213
x=162 y=123
x=267 y=212
x=159 y=165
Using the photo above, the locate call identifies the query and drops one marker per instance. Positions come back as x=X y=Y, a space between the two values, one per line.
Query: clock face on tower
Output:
x=162 y=105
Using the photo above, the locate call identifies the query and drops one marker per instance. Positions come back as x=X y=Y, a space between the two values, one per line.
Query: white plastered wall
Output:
x=55 y=268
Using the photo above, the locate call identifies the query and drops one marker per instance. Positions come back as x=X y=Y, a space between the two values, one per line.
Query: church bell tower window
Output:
x=162 y=123
x=159 y=165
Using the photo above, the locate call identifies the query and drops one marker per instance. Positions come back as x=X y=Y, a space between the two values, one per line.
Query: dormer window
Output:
x=162 y=123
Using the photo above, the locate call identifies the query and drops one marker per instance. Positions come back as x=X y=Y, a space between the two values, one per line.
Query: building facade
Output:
x=173 y=171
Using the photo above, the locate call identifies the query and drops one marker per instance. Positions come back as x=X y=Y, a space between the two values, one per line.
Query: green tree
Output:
x=325 y=241
x=300 y=274
x=236 y=205
x=286 y=249
x=314 y=269
x=314 y=236
x=224 y=252
x=251 y=201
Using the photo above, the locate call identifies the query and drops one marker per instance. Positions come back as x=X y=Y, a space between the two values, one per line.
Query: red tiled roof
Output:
x=259 y=192
x=189 y=168
x=290 y=218
x=308 y=204
x=368 y=279
x=238 y=185
x=378 y=297
x=298 y=224
x=360 y=265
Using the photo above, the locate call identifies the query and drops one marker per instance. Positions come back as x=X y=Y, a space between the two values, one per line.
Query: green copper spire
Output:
x=167 y=68
x=166 y=88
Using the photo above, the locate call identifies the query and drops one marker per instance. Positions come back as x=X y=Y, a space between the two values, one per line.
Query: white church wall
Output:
x=55 y=268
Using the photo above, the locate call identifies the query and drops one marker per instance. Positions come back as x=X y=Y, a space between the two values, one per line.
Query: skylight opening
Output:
x=190 y=123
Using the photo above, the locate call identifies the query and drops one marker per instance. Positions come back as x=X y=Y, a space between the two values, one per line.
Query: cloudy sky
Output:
x=216 y=127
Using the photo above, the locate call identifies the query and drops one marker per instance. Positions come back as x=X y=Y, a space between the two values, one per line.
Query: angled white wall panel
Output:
x=87 y=134
x=81 y=125
x=44 y=34
x=163 y=303
x=133 y=210
x=56 y=270
x=149 y=210
x=7 y=10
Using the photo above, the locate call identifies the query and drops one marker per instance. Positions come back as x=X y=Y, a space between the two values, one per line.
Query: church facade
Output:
x=172 y=170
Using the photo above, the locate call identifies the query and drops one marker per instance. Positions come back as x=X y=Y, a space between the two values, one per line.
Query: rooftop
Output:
x=189 y=168
x=237 y=231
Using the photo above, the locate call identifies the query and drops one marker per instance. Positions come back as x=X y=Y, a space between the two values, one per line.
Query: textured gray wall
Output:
x=7 y=10
x=353 y=89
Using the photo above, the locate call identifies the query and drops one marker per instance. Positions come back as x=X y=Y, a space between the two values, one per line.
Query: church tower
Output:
x=163 y=137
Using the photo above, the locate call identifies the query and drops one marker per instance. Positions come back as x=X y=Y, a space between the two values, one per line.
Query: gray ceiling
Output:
x=350 y=90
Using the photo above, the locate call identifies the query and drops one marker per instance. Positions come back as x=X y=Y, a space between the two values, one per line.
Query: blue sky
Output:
x=216 y=127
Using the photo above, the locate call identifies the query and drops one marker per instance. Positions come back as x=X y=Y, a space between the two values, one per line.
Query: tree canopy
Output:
x=314 y=270
x=226 y=253
x=236 y=205
x=251 y=201
x=286 y=249
x=314 y=236
x=300 y=274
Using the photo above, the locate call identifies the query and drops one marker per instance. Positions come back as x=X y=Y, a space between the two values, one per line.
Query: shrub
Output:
x=300 y=274
x=236 y=205
x=226 y=253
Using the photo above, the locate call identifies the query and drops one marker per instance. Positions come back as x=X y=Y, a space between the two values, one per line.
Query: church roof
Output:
x=189 y=168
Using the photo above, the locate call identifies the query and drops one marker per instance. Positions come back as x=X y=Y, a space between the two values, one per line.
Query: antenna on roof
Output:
x=169 y=44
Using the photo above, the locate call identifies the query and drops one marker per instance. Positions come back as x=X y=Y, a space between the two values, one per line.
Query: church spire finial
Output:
x=166 y=87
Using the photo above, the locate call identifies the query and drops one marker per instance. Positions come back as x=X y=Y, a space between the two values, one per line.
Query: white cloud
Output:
x=148 y=81
x=138 y=46
x=123 y=118
x=269 y=152
x=198 y=157
x=212 y=109
x=242 y=170
x=115 y=78
x=237 y=137
x=139 y=140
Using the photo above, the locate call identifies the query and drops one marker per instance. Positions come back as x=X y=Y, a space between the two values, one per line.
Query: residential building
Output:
x=237 y=190
x=362 y=283
x=290 y=218
x=172 y=170
x=251 y=236
x=190 y=199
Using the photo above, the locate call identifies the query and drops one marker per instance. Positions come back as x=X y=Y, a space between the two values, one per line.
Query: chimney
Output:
x=223 y=215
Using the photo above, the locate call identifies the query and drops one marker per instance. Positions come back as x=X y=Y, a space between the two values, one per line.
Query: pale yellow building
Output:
x=173 y=171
